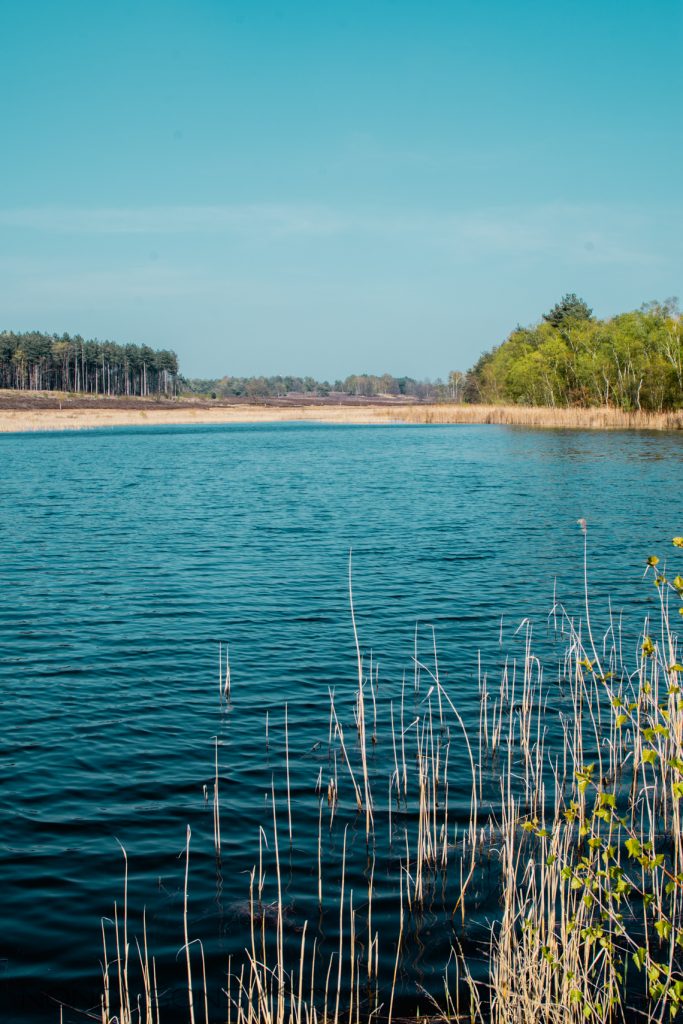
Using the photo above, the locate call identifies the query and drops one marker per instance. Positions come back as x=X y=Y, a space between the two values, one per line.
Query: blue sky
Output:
x=329 y=188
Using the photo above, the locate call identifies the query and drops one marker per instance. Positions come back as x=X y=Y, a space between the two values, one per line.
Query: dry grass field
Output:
x=36 y=411
x=539 y=416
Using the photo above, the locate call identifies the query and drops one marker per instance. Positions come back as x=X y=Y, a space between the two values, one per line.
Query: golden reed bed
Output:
x=150 y=414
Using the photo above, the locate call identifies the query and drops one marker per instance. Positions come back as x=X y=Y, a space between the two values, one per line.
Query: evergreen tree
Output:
x=570 y=308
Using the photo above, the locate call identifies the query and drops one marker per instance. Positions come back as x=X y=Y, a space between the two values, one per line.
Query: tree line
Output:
x=48 y=362
x=364 y=385
x=571 y=358
x=35 y=361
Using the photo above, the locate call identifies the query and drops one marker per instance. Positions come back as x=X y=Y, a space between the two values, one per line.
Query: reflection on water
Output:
x=128 y=556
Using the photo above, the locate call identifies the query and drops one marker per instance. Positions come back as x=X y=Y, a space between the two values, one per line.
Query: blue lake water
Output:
x=128 y=555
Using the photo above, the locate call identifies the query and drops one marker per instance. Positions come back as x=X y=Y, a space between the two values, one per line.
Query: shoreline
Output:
x=30 y=412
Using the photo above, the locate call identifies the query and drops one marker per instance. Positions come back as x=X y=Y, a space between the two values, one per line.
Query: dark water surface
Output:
x=127 y=555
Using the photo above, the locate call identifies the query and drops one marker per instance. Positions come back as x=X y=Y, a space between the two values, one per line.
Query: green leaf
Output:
x=633 y=848
x=639 y=957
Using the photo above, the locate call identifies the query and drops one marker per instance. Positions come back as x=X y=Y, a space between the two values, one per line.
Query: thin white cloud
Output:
x=581 y=233
x=153 y=220
x=59 y=287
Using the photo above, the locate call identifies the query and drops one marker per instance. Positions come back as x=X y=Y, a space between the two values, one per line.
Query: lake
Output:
x=128 y=556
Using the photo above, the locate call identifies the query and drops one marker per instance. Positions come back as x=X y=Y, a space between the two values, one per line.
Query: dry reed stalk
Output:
x=125 y=932
x=403 y=746
x=361 y=710
x=156 y=991
x=331 y=733
x=320 y=864
x=398 y=954
x=216 y=807
x=311 y=1003
x=370 y=939
x=389 y=800
x=261 y=877
x=121 y=970
x=407 y=874
x=105 y=978
x=393 y=744
x=228 y=991
x=227 y=685
x=280 y=923
x=444 y=840
x=436 y=677
x=206 y=995
x=301 y=972
x=373 y=693
x=289 y=794
x=340 y=733
x=352 y=952
x=327 y=989
x=341 y=930
x=190 y=997
x=144 y=970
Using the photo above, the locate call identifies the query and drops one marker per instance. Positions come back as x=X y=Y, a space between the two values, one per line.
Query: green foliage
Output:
x=632 y=361
x=618 y=855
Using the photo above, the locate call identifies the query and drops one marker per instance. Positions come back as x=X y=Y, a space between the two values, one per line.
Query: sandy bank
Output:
x=34 y=414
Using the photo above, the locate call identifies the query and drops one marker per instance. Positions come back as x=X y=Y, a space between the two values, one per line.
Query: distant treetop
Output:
x=569 y=308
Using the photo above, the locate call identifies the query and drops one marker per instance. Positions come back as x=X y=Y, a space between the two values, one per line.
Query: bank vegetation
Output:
x=630 y=362
x=36 y=411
